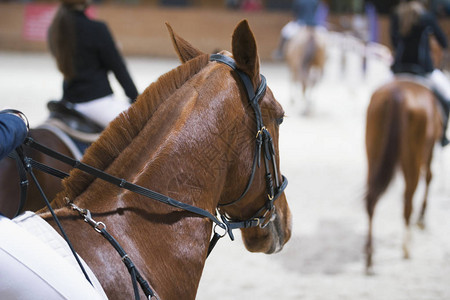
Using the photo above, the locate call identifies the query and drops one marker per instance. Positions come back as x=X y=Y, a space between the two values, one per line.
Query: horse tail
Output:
x=310 y=51
x=386 y=143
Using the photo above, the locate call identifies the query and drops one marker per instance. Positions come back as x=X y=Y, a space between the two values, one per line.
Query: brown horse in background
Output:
x=403 y=125
x=305 y=56
x=10 y=191
x=190 y=136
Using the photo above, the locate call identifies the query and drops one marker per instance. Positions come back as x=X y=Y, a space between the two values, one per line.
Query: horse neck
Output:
x=175 y=154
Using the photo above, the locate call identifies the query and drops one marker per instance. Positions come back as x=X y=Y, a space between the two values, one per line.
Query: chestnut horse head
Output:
x=402 y=127
x=195 y=136
x=236 y=202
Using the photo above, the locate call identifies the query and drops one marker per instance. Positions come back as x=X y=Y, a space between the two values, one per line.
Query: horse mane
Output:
x=122 y=130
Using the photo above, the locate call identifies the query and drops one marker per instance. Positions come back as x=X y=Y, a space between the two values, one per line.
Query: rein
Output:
x=261 y=218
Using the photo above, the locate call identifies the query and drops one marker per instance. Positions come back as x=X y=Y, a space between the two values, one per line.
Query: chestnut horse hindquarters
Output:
x=401 y=130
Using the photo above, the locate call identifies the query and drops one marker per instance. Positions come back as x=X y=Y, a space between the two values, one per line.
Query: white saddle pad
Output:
x=50 y=126
x=36 y=263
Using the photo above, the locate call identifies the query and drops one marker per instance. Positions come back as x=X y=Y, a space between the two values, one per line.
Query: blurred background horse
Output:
x=305 y=56
x=402 y=126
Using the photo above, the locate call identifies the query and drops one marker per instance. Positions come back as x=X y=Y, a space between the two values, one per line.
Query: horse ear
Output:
x=244 y=51
x=184 y=49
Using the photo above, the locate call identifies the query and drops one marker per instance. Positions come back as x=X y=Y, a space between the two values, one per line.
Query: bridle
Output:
x=263 y=142
x=261 y=218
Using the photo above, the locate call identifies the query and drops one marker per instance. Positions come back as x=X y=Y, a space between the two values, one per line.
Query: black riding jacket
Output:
x=96 y=55
x=412 y=52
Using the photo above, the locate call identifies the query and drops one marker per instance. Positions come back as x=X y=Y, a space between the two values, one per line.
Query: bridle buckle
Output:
x=225 y=230
x=266 y=222
x=261 y=131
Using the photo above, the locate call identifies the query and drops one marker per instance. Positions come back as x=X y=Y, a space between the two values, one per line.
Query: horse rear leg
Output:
x=411 y=173
x=295 y=90
x=429 y=175
x=369 y=245
x=306 y=90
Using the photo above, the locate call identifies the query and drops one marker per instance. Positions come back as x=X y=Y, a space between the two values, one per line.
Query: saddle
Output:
x=65 y=121
x=442 y=104
x=72 y=119
x=402 y=68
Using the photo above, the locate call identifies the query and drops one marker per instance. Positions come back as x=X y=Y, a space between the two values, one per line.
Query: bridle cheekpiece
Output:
x=263 y=142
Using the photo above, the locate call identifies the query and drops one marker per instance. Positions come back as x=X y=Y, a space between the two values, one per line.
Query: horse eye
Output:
x=280 y=121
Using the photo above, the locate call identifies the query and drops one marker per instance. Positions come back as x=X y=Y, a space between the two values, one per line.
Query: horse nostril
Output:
x=278 y=233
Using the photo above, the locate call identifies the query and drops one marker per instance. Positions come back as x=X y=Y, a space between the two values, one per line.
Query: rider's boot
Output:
x=278 y=54
x=445 y=104
x=444 y=140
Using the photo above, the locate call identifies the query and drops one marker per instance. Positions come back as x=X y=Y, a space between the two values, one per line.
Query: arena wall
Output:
x=140 y=29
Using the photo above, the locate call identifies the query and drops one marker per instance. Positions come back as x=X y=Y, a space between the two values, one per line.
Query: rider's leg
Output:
x=278 y=54
x=287 y=32
x=446 y=109
x=102 y=110
x=441 y=87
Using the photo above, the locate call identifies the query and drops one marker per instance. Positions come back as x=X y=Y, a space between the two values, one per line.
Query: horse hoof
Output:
x=405 y=253
x=421 y=225
x=370 y=271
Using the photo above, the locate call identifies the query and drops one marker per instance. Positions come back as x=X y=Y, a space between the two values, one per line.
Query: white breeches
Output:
x=291 y=29
x=102 y=110
x=440 y=83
